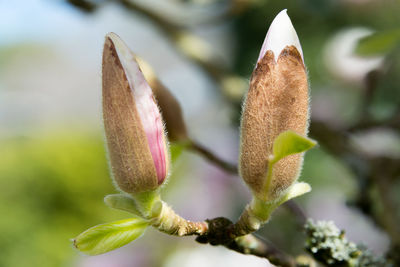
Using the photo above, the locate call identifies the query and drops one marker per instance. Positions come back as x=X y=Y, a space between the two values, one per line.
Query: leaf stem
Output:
x=268 y=179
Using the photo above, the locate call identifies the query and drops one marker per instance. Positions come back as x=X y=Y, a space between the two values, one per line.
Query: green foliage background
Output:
x=51 y=187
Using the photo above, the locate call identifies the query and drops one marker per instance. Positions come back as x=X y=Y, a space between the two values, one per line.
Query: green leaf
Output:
x=123 y=202
x=288 y=143
x=296 y=190
x=378 y=43
x=106 y=237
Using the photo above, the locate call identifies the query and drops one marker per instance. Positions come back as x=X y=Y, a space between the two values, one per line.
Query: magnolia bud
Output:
x=134 y=130
x=169 y=105
x=276 y=101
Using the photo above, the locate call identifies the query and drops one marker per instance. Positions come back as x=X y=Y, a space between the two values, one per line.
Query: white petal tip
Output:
x=128 y=60
x=116 y=40
x=280 y=34
x=111 y=35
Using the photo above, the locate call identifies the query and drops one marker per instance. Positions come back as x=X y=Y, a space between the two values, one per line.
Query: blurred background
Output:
x=53 y=168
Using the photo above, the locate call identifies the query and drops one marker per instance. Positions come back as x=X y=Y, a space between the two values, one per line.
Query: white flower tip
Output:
x=120 y=46
x=280 y=34
x=127 y=59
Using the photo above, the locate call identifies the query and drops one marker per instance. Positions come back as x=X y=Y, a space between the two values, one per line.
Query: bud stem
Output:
x=259 y=211
x=255 y=214
x=146 y=201
x=166 y=220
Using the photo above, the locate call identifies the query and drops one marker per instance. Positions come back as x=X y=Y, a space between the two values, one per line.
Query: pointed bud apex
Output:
x=280 y=34
x=170 y=108
x=133 y=125
x=277 y=101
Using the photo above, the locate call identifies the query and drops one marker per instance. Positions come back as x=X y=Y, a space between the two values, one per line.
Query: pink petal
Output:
x=146 y=106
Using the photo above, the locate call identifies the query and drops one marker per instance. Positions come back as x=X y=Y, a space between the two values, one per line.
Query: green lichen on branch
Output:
x=368 y=259
x=329 y=245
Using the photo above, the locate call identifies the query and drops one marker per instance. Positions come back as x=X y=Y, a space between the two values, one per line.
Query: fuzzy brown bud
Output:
x=276 y=101
x=134 y=131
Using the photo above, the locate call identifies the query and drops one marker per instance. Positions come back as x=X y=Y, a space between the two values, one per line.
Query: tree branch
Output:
x=220 y=233
x=211 y=157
